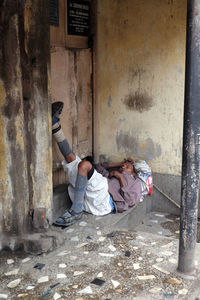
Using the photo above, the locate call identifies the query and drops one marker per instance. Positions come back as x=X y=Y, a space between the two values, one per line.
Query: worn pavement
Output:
x=103 y=258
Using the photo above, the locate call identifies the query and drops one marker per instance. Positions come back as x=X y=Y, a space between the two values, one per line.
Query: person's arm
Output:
x=114 y=165
x=119 y=176
x=119 y=164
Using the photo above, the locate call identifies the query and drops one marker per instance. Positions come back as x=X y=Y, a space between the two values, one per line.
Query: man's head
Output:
x=127 y=167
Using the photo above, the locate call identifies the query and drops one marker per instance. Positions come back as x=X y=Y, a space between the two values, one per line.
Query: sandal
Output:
x=69 y=218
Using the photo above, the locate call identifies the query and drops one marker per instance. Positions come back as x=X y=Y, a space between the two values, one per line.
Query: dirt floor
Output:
x=98 y=261
x=174 y=226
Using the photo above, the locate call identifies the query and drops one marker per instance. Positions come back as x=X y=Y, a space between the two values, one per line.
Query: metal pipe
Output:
x=191 y=142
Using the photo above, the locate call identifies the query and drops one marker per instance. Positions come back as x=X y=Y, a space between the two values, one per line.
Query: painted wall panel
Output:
x=71 y=83
x=140 y=81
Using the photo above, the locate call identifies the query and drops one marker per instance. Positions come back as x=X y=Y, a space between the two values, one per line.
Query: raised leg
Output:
x=84 y=171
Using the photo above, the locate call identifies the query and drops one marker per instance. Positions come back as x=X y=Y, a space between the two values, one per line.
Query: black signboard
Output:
x=54 y=13
x=78 y=17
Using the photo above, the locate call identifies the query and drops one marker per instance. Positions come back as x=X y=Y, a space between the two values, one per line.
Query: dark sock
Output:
x=59 y=136
x=80 y=187
x=65 y=148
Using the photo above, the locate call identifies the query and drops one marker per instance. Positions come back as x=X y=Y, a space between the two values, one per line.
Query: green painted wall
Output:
x=140 y=81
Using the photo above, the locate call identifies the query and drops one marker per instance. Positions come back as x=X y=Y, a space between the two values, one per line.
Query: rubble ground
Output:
x=100 y=261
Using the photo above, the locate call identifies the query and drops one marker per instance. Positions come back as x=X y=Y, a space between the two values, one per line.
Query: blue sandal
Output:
x=69 y=218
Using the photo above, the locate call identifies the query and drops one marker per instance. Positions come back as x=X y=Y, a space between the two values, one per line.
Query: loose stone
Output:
x=99 y=232
x=173 y=261
x=3 y=296
x=56 y=296
x=159 y=215
x=111 y=234
x=75 y=286
x=81 y=245
x=98 y=282
x=169 y=220
x=115 y=283
x=160 y=269
x=30 y=287
x=143 y=244
x=136 y=266
x=167 y=253
x=47 y=293
x=155 y=290
x=146 y=277
x=112 y=248
x=86 y=290
x=25 y=260
x=140 y=258
x=43 y=279
x=73 y=257
x=101 y=239
x=167 y=245
x=77 y=273
x=70 y=230
x=14 y=283
x=75 y=239
x=140 y=237
x=61 y=276
x=54 y=285
x=127 y=253
x=183 y=292
x=13 y=272
x=159 y=259
x=62 y=266
x=83 y=224
x=100 y=275
x=106 y=254
x=22 y=295
x=174 y=281
x=10 y=261
x=62 y=253
x=39 y=266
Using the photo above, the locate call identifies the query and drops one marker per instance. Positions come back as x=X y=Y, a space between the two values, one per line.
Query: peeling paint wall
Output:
x=140 y=81
x=25 y=120
x=71 y=82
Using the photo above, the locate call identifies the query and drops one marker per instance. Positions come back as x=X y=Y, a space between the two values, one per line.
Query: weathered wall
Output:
x=25 y=120
x=140 y=81
x=71 y=82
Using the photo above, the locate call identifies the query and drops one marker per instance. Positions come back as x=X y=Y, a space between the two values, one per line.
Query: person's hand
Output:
x=128 y=159
x=115 y=174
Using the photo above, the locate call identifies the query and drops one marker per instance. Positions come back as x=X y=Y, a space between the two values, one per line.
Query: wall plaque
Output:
x=54 y=12
x=78 y=17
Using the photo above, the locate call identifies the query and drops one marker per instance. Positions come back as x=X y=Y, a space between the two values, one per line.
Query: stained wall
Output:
x=25 y=118
x=140 y=72
x=71 y=83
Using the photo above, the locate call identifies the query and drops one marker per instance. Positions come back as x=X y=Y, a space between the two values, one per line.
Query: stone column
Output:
x=25 y=114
